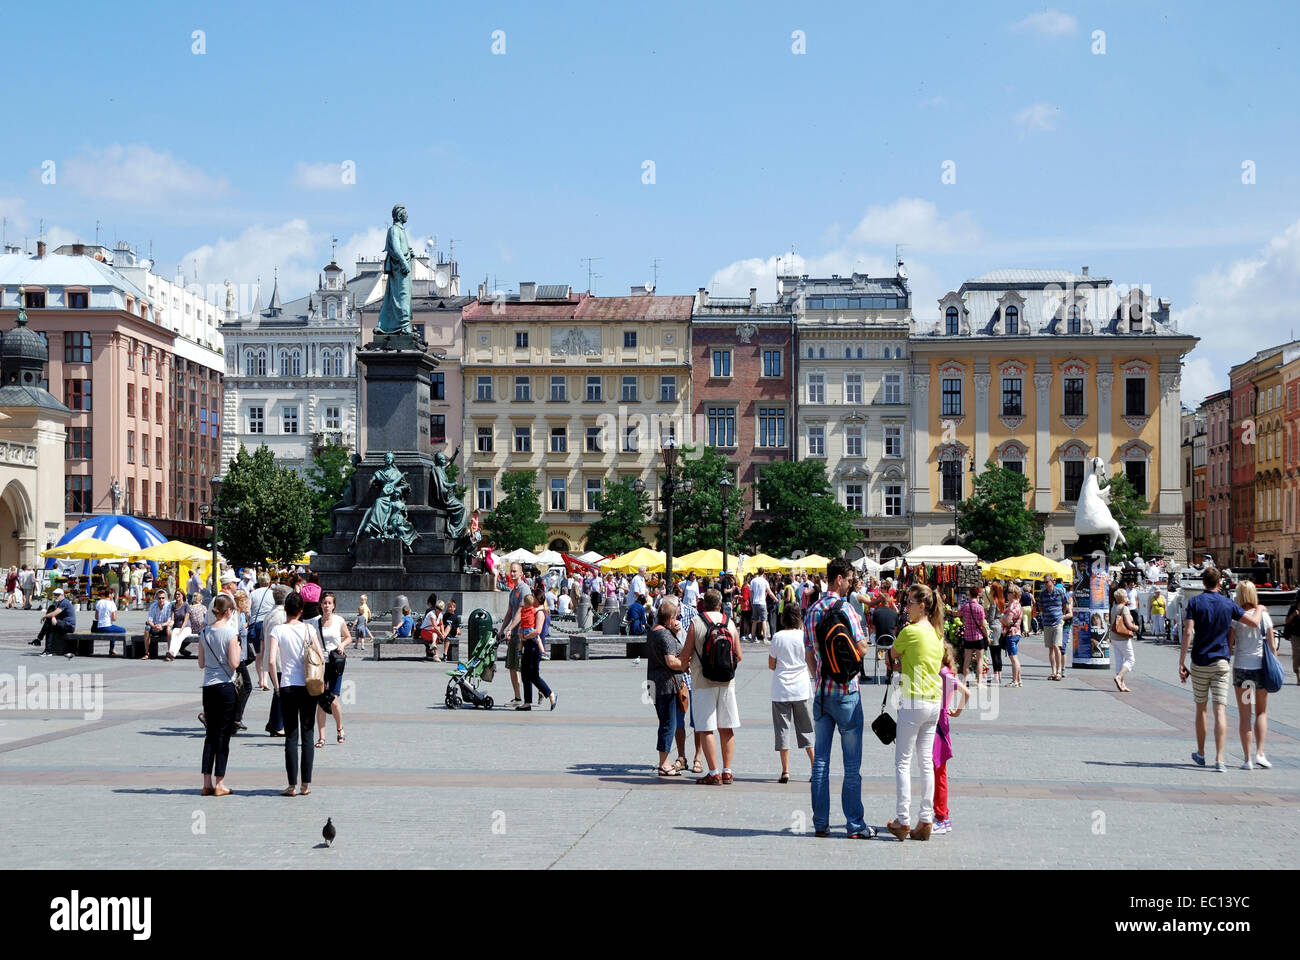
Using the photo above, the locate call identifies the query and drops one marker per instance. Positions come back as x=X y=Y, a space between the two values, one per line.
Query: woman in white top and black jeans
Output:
x=219 y=659
x=334 y=634
x=287 y=644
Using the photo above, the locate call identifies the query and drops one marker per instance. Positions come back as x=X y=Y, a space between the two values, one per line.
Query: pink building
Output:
x=1217 y=410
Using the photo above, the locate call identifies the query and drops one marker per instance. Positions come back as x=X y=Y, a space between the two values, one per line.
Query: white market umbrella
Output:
x=520 y=556
x=548 y=558
x=940 y=554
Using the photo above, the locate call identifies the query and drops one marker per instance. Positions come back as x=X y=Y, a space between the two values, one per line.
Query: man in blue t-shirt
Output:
x=1206 y=625
x=60 y=621
x=1054 y=605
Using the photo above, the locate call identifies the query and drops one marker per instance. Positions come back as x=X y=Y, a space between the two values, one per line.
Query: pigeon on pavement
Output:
x=329 y=833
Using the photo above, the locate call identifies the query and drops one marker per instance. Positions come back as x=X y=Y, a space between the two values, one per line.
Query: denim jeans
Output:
x=832 y=712
x=669 y=714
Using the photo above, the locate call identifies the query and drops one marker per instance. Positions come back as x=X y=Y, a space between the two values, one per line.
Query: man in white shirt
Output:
x=691 y=591
x=247 y=583
x=638 y=588
x=564 y=605
x=758 y=597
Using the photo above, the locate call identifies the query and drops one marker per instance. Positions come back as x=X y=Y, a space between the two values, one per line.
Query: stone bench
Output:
x=133 y=649
x=575 y=646
x=82 y=643
x=378 y=642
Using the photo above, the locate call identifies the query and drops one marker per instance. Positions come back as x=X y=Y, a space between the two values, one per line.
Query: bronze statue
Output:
x=442 y=495
x=386 y=519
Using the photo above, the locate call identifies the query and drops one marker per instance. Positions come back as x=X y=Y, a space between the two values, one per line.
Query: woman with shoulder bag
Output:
x=1248 y=649
x=286 y=650
x=993 y=610
x=1122 y=630
x=218 y=659
x=664 y=682
x=335 y=636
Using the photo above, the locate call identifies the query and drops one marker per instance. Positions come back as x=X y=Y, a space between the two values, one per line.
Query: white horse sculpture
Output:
x=1092 y=516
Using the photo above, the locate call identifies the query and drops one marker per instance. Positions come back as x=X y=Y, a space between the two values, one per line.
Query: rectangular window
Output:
x=893 y=499
x=893 y=441
x=437 y=428
x=629 y=389
x=78 y=492
x=521 y=339
x=1135 y=396
x=483 y=493
x=722 y=426
x=951 y=480
x=158 y=406
x=483 y=440
x=34 y=299
x=523 y=389
x=130 y=354
x=593 y=440
x=817 y=441
x=722 y=363
x=1017 y=466
x=853 y=499
x=1012 y=395
x=523 y=439
x=144 y=451
x=559 y=439
x=78 y=300
x=893 y=388
x=484 y=388
x=130 y=402
x=559 y=494
x=629 y=339
x=771 y=363
x=1136 y=471
x=256 y=419
x=130 y=446
x=593 y=484
x=595 y=389
x=1073 y=479
x=76 y=347
x=853 y=442
x=157 y=496
x=157 y=452
x=559 y=389
x=853 y=388
x=630 y=439
x=290 y=415
x=816 y=388
x=144 y=403
x=333 y=418
x=668 y=388
x=952 y=397
x=771 y=426
x=77 y=445
x=438 y=387
x=1073 y=397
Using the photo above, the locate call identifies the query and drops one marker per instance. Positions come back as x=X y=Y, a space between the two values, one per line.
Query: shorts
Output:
x=714 y=707
x=1241 y=676
x=980 y=644
x=1211 y=682
x=1012 y=645
x=792 y=715
x=758 y=612
x=1053 y=635
x=513 y=660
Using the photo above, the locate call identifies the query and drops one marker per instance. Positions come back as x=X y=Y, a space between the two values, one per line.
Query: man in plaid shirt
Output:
x=836 y=706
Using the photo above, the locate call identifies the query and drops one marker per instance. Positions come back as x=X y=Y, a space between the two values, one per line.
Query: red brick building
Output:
x=1242 y=429
x=742 y=370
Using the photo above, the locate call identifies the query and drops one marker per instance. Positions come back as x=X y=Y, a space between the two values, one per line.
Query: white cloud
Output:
x=292 y=249
x=1048 y=23
x=1199 y=378
x=319 y=176
x=915 y=222
x=136 y=174
x=1040 y=116
x=368 y=244
x=1258 y=294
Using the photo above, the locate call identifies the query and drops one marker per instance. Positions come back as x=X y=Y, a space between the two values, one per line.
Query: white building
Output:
x=291 y=373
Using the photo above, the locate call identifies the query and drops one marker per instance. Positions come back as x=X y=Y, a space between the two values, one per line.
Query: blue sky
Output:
x=1130 y=161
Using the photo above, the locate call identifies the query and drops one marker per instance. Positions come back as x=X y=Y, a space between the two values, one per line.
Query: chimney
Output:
x=753 y=298
x=40 y=249
x=527 y=292
x=78 y=249
x=482 y=291
x=1085 y=271
x=702 y=298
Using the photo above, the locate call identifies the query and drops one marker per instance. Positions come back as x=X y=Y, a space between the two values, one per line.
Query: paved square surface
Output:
x=1071 y=774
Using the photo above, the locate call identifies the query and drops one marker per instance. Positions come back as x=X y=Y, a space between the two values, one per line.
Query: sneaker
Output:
x=943 y=826
x=867 y=833
x=1262 y=761
x=514 y=701
x=47 y=654
x=1248 y=766
x=1198 y=758
x=1220 y=767
x=524 y=706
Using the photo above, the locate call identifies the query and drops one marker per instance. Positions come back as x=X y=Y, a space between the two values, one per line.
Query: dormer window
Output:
x=332 y=309
x=78 y=300
x=1135 y=319
x=1073 y=323
x=1013 y=321
x=950 y=324
x=34 y=299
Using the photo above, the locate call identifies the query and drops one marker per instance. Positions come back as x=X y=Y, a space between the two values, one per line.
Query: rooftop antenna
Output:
x=451 y=251
x=41 y=234
x=4 y=229
x=590 y=275
x=591 y=282
x=334 y=242
x=96 y=233
x=654 y=265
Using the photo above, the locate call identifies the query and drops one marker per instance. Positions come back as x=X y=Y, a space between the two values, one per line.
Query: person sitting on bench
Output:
x=60 y=621
x=106 y=619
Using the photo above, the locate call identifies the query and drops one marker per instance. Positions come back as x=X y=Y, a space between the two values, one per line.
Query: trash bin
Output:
x=477 y=627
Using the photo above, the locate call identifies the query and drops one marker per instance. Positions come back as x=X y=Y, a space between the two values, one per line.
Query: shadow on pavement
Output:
x=184 y=791
x=603 y=769
x=1141 y=763
x=746 y=832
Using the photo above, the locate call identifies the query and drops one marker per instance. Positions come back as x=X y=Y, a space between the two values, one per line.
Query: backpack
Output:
x=839 y=654
x=717 y=656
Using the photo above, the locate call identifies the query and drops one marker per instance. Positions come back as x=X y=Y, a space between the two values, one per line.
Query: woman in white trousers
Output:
x=917 y=656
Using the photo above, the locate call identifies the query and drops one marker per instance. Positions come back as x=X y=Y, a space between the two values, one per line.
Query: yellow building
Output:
x=580 y=389
x=1039 y=371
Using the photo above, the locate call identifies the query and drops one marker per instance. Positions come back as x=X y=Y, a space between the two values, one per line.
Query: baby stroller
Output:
x=463 y=687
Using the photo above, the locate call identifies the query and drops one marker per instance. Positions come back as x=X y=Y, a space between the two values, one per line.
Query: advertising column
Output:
x=1092 y=611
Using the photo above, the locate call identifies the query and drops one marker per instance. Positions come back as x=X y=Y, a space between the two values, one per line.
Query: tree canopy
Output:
x=697 y=521
x=328 y=477
x=266 y=510
x=995 y=521
x=623 y=514
x=802 y=512
x=1129 y=508
x=516 y=520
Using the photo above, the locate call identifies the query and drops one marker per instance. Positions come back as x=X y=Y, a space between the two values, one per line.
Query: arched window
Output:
x=332 y=309
x=810 y=355
x=291 y=363
x=255 y=363
x=951 y=326
x=1013 y=320
x=859 y=353
x=898 y=353
x=821 y=353
x=848 y=353
x=1073 y=324
x=886 y=355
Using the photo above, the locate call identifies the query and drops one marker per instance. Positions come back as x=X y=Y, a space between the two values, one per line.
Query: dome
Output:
x=22 y=343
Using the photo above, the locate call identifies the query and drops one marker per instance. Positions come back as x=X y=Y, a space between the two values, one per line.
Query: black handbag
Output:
x=884 y=727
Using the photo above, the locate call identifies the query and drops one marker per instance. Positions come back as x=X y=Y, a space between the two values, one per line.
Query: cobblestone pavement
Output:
x=1071 y=774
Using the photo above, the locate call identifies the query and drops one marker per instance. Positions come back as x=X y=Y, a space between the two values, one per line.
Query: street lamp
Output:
x=724 y=489
x=210 y=510
x=674 y=483
x=955 y=501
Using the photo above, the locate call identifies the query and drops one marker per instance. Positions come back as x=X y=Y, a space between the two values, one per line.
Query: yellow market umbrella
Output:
x=1031 y=566
x=814 y=563
x=87 y=548
x=174 y=551
x=652 y=560
x=761 y=561
x=701 y=561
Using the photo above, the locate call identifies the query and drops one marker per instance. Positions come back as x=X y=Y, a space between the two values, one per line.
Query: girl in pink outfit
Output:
x=943 y=739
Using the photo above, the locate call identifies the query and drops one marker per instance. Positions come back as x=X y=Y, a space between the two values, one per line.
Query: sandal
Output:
x=291 y=792
x=681 y=763
x=320 y=743
x=669 y=772
x=1118 y=686
x=305 y=791
x=342 y=737
x=697 y=767
x=785 y=778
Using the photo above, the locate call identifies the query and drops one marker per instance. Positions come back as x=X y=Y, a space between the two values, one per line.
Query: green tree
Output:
x=1129 y=508
x=328 y=476
x=802 y=513
x=697 y=520
x=623 y=513
x=516 y=521
x=266 y=510
x=995 y=522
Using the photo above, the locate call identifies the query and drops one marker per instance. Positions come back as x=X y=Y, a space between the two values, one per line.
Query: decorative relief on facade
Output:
x=576 y=341
x=745 y=332
x=1105 y=382
x=1011 y=423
